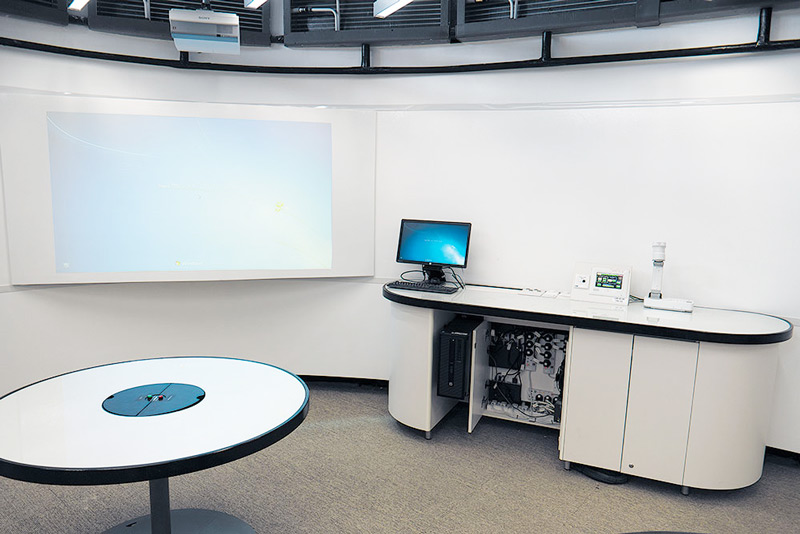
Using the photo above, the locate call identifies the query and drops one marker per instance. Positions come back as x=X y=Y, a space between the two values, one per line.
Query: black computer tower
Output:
x=455 y=353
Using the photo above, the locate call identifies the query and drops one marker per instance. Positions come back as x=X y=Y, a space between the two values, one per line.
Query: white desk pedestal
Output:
x=680 y=398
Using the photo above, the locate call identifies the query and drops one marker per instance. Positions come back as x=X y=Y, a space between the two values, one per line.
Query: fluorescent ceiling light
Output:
x=254 y=4
x=383 y=8
x=77 y=5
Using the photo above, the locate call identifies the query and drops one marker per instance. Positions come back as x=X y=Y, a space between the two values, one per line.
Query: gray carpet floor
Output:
x=350 y=468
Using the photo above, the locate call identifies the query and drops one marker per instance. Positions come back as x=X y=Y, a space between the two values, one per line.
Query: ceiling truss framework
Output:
x=424 y=21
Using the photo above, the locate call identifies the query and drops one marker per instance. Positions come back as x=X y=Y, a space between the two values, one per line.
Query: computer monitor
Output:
x=434 y=244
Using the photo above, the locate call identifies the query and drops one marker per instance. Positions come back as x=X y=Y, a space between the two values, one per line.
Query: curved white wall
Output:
x=698 y=152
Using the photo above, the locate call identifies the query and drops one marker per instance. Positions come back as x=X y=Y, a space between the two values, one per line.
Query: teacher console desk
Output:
x=682 y=398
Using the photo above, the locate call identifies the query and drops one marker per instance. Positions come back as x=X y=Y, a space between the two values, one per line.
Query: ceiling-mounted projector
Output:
x=201 y=30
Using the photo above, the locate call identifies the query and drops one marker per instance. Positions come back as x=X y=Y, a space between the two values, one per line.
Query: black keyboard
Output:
x=422 y=286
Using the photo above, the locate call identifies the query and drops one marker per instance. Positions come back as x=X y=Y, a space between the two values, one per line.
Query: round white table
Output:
x=171 y=416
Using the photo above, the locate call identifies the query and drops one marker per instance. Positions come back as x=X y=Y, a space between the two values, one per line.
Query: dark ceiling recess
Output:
x=761 y=44
x=313 y=23
x=350 y=23
x=53 y=11
x=491 y=19
x=497 y=19
x=505 y=10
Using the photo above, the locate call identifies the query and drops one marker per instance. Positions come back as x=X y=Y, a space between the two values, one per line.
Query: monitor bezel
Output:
x=403 y=224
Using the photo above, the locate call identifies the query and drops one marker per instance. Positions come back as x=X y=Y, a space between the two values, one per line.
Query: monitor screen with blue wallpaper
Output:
x=434 y=242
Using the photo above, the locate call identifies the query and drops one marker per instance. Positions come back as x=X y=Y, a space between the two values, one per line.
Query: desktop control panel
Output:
x=153 y=399
x=607 y=284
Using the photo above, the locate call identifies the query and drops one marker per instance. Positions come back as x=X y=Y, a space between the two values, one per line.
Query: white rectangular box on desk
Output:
x=608 y=284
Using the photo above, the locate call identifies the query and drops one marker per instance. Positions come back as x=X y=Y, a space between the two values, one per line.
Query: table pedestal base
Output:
x=162 y=520
x=188 y=521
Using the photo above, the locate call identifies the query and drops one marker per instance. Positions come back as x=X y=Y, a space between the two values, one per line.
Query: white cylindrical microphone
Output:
x=659 y=251
x=659 y=254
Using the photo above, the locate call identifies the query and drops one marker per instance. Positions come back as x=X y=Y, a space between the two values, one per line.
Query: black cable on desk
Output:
x=496 y=287
x=457 y=278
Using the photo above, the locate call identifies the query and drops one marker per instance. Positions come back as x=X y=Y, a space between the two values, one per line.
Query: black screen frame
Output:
x=403 y=226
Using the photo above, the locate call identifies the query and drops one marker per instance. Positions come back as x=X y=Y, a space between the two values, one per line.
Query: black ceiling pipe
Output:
x=764 y=26
x=767 y=46
x=365 y=56
x=547 y=46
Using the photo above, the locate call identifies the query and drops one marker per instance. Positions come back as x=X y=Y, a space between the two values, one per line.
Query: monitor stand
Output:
x=433 y=274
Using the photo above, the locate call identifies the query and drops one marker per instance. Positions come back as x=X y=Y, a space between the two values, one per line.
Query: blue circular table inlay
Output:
x=153 y=399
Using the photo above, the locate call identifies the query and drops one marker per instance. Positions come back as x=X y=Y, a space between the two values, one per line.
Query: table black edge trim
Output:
x=140 y=473
x=595 y=324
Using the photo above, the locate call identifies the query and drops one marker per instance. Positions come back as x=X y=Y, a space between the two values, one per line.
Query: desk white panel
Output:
x=730 y=416
x=414 y=342
x=659 y=408
x=596 y=395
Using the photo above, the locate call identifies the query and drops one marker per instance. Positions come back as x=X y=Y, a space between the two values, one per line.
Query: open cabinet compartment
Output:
x=517 y=373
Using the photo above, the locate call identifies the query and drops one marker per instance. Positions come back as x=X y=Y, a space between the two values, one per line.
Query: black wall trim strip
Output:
x=545 y=61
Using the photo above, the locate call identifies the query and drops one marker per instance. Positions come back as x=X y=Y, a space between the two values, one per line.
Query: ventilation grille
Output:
x=489 y=10
x=249 y=19
x=43 y=3
x=54 y=11
x=358 y=16
x=129 y=9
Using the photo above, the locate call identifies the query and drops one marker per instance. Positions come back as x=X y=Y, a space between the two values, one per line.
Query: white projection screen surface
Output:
x=105 y=191
x=145 y=193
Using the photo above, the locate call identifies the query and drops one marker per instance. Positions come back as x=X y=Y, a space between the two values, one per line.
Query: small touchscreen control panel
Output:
x=606 y=284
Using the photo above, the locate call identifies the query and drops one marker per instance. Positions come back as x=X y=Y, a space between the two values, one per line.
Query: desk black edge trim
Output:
x=140 y=473
x=595 y=324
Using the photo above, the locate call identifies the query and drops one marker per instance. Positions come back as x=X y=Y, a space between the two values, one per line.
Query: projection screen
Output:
x=101 y=190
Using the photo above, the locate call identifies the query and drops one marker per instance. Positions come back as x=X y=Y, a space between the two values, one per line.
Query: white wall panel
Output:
x=784 y=432
x=323 y=327
x=545 y=189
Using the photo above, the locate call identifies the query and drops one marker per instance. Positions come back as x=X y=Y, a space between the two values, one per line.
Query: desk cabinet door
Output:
x=596 y=393
x=730 y=416
x=659 y=408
